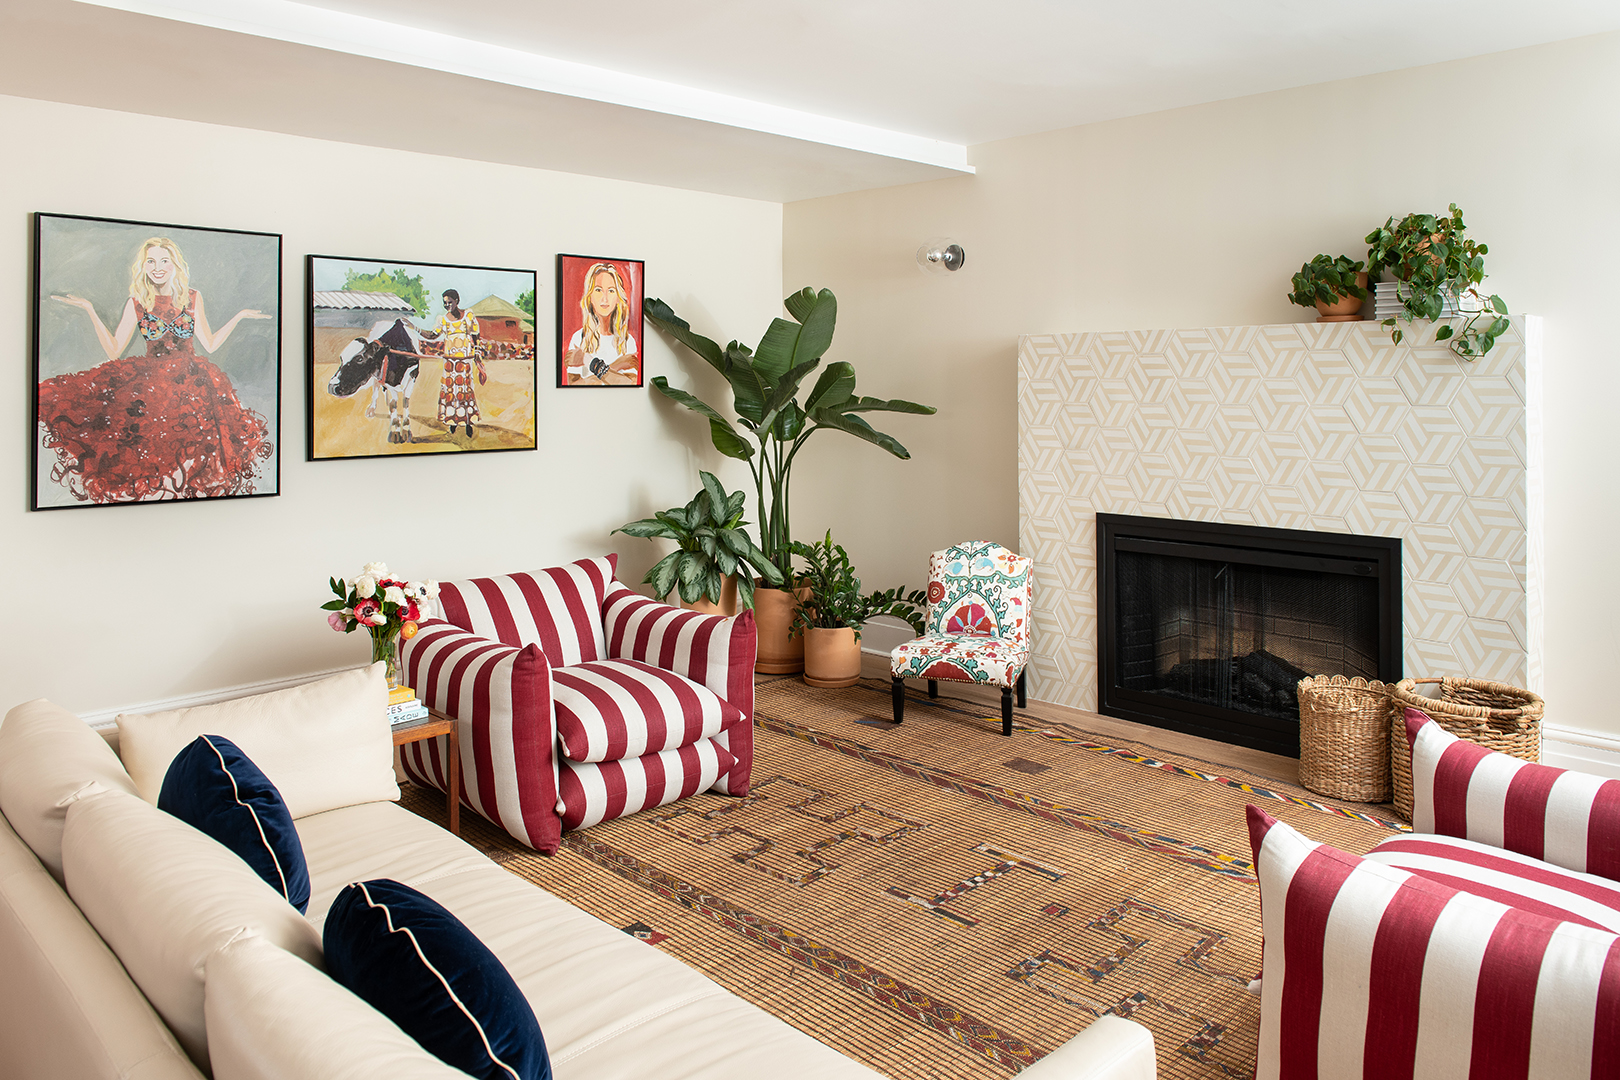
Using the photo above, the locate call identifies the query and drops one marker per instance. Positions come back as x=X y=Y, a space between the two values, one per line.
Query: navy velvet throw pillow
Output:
x=418 y=965
x=215 y=788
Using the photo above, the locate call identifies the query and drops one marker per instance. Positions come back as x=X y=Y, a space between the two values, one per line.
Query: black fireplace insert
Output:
x=1207 y=628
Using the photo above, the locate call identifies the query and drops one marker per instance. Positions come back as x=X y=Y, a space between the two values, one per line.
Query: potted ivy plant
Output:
x=713 y=565
x=831 y=611
x=1334 y=286
x=772 y=427
x=1433 y=261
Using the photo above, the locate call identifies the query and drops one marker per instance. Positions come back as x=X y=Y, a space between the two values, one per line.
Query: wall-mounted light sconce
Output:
x=941 y=255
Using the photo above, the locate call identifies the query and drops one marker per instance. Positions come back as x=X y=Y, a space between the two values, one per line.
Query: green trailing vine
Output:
x=1433 y=260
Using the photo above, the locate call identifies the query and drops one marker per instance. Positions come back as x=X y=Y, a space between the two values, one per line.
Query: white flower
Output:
x=365 y=586
x=432 y=589
x=394 y=595
x=375 y=569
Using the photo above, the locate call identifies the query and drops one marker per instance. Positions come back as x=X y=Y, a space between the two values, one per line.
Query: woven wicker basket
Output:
x=1492 y=714
x=1343 y=738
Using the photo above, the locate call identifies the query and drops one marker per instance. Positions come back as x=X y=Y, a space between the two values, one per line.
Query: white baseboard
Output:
x=880 y=637
x=105 y=718
x=1595 y=752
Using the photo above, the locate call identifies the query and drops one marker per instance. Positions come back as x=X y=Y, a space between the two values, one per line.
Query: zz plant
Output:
x=835 y=599
x=1433 y=261
x=772 y=426
x=711 y=546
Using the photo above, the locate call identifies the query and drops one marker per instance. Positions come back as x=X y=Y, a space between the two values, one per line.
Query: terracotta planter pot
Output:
x=728 y=600
x=779 y=654
x=832 y=657
x=1345 y=309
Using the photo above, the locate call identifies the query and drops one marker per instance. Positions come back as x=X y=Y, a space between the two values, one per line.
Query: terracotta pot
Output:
x=728 y=600
x=779 y=653
x=832 y=657
x=1345 y=309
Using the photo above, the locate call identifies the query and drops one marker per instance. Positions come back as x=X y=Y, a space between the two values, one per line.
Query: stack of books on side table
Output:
x=404 y=707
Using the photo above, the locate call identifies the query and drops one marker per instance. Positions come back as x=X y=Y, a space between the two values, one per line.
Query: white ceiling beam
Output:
x=306 y=24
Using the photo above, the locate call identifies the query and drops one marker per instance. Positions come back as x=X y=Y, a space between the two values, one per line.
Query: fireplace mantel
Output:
x=1320 y=426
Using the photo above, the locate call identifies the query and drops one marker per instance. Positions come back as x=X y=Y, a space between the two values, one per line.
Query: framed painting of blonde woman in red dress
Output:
x=157 y=362
x=599 y=321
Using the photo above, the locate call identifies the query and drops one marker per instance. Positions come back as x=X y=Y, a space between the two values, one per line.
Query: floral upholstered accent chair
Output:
x=978 y=625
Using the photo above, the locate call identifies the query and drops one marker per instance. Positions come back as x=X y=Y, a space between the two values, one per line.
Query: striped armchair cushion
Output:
x=501 y=696
x=594 y=791
x=1459 y=788
x=613 y=709
x=711 y=650
x=1374 y=972
x=560 y=608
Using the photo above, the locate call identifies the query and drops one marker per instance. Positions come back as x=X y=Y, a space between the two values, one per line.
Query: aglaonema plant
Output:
x=771 y=424
x=711 y=546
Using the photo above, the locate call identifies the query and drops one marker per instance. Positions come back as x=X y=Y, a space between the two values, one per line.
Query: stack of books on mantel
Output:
x=404 y=707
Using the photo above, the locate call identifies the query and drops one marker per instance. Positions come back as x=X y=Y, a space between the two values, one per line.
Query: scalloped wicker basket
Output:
x=1492 y=714
x=1343 y=738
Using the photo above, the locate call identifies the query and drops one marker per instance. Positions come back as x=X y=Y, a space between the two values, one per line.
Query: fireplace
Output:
x=1207 y=628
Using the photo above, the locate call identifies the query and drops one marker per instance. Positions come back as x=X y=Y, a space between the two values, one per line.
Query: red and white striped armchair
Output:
x=578 y=699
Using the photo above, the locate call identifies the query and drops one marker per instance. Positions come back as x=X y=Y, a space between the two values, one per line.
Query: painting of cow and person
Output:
x=419 y=358
x=157 y=362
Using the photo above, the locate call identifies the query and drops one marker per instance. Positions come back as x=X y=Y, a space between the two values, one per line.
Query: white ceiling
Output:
x=778 y=100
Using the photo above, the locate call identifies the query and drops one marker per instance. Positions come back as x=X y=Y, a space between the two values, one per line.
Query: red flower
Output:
x=936 y=591
x=369 y=613
x=971 y=619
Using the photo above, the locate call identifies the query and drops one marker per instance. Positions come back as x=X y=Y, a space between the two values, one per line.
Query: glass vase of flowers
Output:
x=388 y=608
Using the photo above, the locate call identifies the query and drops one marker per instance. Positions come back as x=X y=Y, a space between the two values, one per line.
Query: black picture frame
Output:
x=169 y=423
x=627 y=369
x=378 y=381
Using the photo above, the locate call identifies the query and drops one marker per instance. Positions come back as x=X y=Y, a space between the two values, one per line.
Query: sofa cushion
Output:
x=1506 y=877
x=1459 y=788
x=595 y=791
x=559 y=608
x=272 y=1016
x=324 y=744
x=613 y=709
x=417 y=964
x=1372 y=971
x=46 y=755
x=500 y=695
x=214 y=787
x=164 y=897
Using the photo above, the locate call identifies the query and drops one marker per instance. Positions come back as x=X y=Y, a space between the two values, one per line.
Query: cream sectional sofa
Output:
x=171 y=950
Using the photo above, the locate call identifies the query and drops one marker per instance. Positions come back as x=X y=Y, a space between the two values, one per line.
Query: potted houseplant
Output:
x=714 y=563
x=1436 y=266
x=1335 y=287
x=832 y=610
x=772 y=426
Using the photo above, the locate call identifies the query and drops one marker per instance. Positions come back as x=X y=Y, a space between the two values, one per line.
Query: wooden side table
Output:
x=435 y=725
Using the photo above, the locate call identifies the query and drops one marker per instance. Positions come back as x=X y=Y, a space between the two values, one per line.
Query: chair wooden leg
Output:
x=1022 y=700
x=933 y=688
x=1006 y=710
x=899 y=689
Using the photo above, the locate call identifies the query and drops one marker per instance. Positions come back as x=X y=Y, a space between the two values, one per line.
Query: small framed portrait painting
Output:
x=409 y=358
x=157 y=362
x=599 y=321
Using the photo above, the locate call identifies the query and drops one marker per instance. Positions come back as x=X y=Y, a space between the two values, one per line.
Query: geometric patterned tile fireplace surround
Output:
x=1320 y=426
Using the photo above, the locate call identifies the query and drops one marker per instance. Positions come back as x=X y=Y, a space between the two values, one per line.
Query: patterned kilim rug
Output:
x=936 y=900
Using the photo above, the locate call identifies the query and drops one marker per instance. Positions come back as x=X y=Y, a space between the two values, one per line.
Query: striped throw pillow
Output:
x=1506 y=877
x=502 y=697
x=1374 y=972
x=559 y=609
x=1462 y=789
x=613 y=709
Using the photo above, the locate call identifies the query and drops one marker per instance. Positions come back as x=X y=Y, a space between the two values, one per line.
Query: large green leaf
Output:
x=789 y=345
x=776 y=349
x=647 y=529
x=664 y=317
x=859 y=428
x=836 y=384
x=726 y=439
x=800 y=303
x=871 y=404
x=787 y=388
x=748 y=385
x=662 y=576
x=789 y=422
x=717 y=498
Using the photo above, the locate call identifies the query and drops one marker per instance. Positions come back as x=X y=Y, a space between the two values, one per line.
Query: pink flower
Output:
x=337 y=622
x=369 y=613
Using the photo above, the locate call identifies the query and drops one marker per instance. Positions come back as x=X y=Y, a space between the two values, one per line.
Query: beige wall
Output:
x=1197 y=217
x=115 y=606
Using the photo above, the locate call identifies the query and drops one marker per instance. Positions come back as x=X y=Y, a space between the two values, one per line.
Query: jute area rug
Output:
x=937 y=900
